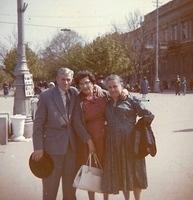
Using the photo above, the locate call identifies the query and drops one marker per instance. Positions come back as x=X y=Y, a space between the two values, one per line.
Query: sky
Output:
x=89 y=18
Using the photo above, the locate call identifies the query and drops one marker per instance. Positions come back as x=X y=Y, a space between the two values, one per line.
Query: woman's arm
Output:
x=78 y=124
x=80 y=129
x=145 y=114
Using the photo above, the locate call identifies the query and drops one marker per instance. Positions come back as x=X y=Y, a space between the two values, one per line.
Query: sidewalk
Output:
x=170 y=173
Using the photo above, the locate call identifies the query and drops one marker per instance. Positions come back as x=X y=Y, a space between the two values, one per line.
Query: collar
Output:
x=62 y=92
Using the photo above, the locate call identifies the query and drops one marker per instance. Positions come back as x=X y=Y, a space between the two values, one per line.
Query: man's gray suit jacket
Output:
x=52 y=129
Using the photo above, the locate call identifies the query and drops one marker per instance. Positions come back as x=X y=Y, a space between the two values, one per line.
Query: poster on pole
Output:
x=28 y=85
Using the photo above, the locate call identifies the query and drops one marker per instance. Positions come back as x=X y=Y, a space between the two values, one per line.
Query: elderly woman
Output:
x=89 y=120
x=122 y=172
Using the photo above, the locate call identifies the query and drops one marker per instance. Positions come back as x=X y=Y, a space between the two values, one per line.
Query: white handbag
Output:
x=89 y=178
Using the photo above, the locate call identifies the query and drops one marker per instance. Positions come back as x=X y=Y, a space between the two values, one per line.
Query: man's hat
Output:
x=43 y=167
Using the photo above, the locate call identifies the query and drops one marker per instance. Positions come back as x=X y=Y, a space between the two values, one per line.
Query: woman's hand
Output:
x=91 y=146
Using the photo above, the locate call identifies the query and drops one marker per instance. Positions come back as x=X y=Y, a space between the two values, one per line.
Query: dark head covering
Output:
x=43 y=167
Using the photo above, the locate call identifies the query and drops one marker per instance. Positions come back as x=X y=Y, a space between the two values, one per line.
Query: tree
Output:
x=54 y=55
x=33 y=61
x=102 y=56
x=4 y=77
x=134 y=43
x=134 y=20
x=75 y=58
x=105 y=56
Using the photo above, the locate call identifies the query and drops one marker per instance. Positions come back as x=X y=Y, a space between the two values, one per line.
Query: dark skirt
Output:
x=83 y=152
x=122 y=172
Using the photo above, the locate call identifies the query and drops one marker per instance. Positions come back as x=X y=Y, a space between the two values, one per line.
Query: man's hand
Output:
x=37 y=155
x=91 y=146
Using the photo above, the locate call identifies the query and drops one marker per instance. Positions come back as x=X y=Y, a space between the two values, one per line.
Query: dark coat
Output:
x=143 y=140
x=144 y=86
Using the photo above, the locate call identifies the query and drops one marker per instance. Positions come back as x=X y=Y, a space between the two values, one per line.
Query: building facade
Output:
x=175 y=39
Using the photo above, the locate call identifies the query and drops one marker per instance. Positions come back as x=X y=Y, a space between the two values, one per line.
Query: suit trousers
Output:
x=65 y=168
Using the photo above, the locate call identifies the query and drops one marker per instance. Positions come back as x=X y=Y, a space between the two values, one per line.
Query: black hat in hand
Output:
x=43 y=167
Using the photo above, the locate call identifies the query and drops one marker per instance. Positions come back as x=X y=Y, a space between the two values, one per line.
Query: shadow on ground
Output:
x=183 y=130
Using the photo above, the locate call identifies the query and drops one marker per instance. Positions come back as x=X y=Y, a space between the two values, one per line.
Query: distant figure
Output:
x=136 y=88
x=100 y=82
x=177 y=85
x=184 y=85
x=45 y=85
x=51 y=85
x=191 y=84
x=5 y=89
x=144 y=87
x=37 y=90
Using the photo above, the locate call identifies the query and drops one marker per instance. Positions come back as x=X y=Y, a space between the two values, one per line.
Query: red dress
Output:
x=94 y=117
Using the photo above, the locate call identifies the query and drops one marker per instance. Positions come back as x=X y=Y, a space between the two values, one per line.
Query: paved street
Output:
x=170 y=173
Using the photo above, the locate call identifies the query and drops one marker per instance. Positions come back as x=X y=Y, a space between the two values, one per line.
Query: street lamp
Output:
x=23 y=81
x=157 y=81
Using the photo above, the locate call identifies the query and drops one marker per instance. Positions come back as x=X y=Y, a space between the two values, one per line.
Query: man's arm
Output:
x=38 y=128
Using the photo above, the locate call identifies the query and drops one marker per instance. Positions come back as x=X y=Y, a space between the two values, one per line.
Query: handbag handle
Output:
x=96 y=160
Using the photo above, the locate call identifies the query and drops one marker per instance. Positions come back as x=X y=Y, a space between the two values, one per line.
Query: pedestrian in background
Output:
x=144 y=87
x=177 y=85
x=184 y=85
x=5 y=89
x=51 y=85
x=191 y=84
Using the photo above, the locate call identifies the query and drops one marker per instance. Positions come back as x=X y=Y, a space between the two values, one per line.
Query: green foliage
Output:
x=75 y=58
x=114 y=59
x=10 y=61
x=103 y=56
x=33 y=61
x=60 y=52
x=4 y=77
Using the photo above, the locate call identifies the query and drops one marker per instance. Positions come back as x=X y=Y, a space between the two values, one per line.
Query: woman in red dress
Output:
x=89 y=120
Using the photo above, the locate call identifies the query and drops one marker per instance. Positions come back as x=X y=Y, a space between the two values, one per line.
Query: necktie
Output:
x=67 y=103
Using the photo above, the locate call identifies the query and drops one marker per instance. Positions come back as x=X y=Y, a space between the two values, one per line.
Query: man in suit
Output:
x=53 y=133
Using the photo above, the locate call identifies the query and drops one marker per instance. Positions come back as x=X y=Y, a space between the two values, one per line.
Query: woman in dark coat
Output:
x=123 y=172
x=144 y=87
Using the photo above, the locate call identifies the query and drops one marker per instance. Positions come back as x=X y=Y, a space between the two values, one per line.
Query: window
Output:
x=175 y=32
x=184 y=31
x=165 y=35
x=192 y=29
x=151 y=39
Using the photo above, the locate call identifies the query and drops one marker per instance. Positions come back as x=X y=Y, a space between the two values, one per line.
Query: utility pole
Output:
x=157 y=81
x=23 y=79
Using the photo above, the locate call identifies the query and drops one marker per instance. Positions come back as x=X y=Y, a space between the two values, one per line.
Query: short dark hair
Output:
x=82 y=74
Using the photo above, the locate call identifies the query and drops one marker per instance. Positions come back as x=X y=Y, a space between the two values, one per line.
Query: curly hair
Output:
x=82 y=74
